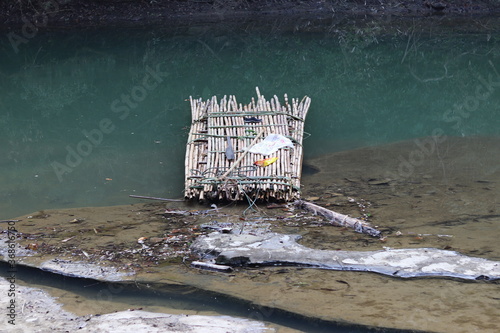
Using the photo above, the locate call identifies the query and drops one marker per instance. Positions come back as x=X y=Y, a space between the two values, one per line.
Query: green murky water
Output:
x=89 y=117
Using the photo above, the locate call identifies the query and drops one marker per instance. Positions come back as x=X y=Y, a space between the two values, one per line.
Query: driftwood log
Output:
x=339 y=219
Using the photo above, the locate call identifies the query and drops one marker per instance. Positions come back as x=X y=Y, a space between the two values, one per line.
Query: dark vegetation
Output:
x=133 y=12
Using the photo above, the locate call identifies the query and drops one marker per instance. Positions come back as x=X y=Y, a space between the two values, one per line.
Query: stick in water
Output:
x=153 y=198
x=9 y=221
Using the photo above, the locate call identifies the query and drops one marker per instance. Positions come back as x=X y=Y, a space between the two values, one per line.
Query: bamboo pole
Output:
x=275 y=166
x=211 y=142
x=304 y=106
x=221 y=161
x=189 y=149
x=242 y=155
x=276 y=130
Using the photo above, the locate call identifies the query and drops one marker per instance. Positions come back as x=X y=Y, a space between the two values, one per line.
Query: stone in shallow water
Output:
x=273 y=248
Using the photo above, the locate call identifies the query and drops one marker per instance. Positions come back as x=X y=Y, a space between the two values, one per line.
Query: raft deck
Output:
x=211 y=176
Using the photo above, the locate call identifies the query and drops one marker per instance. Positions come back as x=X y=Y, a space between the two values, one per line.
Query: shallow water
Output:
x=89 y=117
x=86 y=296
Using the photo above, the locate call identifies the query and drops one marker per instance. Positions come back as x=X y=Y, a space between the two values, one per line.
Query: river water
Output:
x=89 y=117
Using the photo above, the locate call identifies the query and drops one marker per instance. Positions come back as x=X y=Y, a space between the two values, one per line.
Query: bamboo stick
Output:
x=218 y=164
x=211 y=142
x=187 y=164
x=304 y=109
x=239 y=132
x=242 y=155
x=231 y=133
x=276 y=130
x=193 y=109
x=223 y=163
x=235 y=104
x=267 y=171
x=189 y=152
x=275 y=166
x=284 y=152
x=190 y=157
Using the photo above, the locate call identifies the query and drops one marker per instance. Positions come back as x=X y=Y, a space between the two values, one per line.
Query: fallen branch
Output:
x=211 y=267
x=339 y=219
x=154 y=198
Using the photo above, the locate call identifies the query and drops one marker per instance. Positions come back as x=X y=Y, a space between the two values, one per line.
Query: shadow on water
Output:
x=309 y=169
x=173 y=296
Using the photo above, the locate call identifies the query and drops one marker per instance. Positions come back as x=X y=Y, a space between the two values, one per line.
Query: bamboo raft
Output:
x=211 y=176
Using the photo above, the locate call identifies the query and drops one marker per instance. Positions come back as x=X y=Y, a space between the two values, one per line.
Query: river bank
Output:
x=149 y=243
x=80 y=13
x=34 y=310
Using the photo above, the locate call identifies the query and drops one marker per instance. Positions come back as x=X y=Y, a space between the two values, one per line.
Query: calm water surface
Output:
x=89 y=117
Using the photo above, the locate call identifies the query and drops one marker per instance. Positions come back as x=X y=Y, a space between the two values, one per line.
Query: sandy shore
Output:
x=436 y=205
x=33 y=310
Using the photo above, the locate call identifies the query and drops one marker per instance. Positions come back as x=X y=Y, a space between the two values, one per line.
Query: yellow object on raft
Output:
x=265 y=162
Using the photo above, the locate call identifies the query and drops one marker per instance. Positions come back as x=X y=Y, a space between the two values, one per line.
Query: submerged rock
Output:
x=279 y=249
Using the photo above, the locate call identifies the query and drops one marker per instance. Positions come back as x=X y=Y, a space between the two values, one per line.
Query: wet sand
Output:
x=37 y=311
x=445 y=197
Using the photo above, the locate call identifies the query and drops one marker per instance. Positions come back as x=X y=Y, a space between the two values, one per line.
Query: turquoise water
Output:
x=90 y=117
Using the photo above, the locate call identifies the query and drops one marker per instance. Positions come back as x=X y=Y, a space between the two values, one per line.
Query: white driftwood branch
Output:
x=211 y=266
x=339 y=219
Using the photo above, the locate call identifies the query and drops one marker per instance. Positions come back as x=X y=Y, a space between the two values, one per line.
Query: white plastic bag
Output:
x=271 y=144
